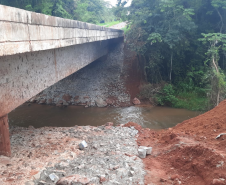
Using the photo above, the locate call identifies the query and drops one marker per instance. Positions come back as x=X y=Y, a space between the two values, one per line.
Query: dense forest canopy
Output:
x=183 y=43
x=92 y=11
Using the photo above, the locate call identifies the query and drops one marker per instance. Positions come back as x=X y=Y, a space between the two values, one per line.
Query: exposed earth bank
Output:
x=188 y=153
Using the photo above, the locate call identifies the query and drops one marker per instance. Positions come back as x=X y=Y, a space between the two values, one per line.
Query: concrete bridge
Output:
x=37 y=51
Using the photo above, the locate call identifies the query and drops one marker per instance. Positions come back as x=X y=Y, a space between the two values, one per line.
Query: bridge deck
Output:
x=23 y=31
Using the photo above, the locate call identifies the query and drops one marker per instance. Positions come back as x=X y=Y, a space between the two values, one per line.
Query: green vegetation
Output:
x=183 y=44
x=182 y=99
x=126 y=29
x=92 y=11
x=191 y=101
x=120 y=11
x=168 y=95
x=108 y=24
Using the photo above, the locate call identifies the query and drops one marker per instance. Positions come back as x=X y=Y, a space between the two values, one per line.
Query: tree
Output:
x=165 y=34
x=120 y=10
x=216 y=42
x=163 y=24
x=220 y=5
x=58 y=9
x=92 y=11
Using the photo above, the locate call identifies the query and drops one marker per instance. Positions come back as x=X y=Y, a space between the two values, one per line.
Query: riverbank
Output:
x=189 y=153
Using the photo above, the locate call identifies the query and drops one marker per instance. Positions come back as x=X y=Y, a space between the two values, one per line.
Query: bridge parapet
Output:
x=23 y=31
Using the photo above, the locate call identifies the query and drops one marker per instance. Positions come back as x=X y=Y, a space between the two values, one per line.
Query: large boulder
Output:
x=136 y=101
x=67 y=97
x=100 y=102
x=43 y=101
x=110 y=101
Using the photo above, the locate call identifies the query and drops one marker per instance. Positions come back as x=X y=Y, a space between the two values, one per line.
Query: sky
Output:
x=114 y=2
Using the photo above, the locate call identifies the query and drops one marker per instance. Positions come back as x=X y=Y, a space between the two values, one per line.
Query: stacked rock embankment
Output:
x=101 y=83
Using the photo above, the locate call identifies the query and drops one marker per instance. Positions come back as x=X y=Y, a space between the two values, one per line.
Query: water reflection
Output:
x=147 y=116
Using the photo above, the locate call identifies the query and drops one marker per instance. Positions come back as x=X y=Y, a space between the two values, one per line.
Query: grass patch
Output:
x=109 y=23
x=168 y=95
x=126 y=29
x=191 y=101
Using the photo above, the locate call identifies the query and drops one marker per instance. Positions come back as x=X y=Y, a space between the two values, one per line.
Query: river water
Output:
x=147 y=116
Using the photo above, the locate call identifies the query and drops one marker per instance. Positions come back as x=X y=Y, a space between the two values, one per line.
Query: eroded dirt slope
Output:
x=188 y=153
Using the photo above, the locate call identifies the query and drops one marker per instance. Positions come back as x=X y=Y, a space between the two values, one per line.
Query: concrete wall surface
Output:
x=23 y=31
x=22 y=76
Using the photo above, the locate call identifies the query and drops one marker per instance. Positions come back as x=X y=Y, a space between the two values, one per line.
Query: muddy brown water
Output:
x=147 y=116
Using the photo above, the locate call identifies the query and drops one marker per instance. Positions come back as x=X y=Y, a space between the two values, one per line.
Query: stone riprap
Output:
x=23 y=31
x=37 y=51
x=48 y=155
x=101 y=83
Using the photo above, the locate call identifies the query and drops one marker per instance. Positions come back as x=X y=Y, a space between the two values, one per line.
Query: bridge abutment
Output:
x=5 y=148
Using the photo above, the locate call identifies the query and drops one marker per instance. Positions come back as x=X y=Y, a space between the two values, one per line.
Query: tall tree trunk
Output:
x=215 y=65
x=218 y=88
x=145 y=72
x=222 y=22
x=171 y=67
x=218 y=97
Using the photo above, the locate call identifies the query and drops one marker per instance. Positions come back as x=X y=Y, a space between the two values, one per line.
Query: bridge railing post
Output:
x=4 y=137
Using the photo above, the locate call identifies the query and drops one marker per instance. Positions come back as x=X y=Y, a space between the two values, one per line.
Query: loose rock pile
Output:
x=52 y=156
x=109 y=159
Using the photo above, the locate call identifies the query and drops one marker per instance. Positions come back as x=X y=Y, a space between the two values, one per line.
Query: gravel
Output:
x=112 y=157
x=48 y=154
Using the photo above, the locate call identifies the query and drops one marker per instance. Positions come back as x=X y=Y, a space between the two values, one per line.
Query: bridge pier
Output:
x=4 y=137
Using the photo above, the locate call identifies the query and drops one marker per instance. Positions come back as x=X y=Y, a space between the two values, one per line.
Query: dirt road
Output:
x=119 y=26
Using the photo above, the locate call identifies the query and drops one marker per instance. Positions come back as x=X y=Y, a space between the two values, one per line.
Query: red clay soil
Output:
x=188 y=153
x=134 y=73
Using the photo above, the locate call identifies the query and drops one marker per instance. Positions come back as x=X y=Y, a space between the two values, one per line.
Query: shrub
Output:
x=166 y=96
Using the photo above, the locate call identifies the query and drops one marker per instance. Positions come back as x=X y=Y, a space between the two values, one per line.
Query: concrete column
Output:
x=4 y=137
